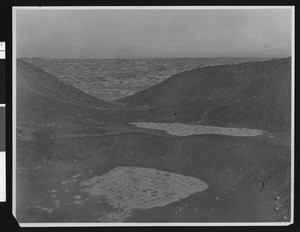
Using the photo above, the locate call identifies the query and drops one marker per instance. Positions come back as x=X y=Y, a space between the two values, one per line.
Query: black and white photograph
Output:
x=153 y=115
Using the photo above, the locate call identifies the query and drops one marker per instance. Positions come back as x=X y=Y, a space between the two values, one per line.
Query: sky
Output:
x=133 y=34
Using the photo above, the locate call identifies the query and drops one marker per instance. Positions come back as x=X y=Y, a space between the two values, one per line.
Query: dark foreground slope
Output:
x=248 y=181
x=254 y=94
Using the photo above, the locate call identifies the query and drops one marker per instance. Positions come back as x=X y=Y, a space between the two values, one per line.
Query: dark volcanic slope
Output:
x=42 y=100
x=254 y=94
x=42 y=83
x=247 y=79
x=250 y=178
x=35 y=108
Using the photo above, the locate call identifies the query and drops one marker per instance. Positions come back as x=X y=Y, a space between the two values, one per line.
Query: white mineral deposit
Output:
x=129 y=188
x=181 y=129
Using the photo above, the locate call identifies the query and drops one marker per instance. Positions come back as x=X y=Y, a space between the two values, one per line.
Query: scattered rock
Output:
x=217 y=198
x=77 y=197
x=76 y=176
x=43 y=208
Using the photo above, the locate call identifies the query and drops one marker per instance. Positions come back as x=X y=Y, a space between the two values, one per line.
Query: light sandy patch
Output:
x=118 y=216
x=181 y=129
x=74 y=177
x=49 y=210
x=129 y=188
x=57 y=202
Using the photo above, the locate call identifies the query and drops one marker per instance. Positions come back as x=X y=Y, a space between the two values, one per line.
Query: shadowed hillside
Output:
x=36 y=108
x=40 y=82
x=254 y=94
x=47 y=105
x=218 y=82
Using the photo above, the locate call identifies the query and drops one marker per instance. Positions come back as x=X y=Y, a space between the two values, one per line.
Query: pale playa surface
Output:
x=180 y=129
x=129 y=188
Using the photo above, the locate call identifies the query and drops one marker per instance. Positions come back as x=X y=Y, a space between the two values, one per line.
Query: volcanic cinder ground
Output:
x=223 y=155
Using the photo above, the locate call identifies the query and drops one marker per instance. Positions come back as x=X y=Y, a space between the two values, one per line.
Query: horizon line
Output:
x=148 y=58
